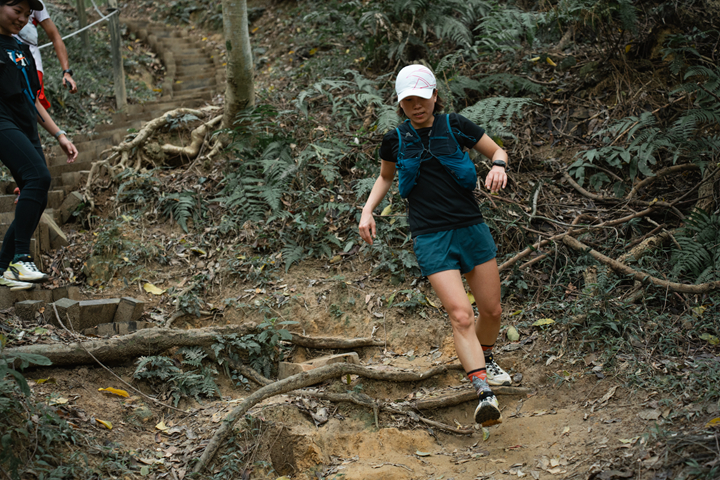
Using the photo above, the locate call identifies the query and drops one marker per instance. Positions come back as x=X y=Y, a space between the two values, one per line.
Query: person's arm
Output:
x=48 y=124
x=61 y=52
x=382 y=185
x=497 y=178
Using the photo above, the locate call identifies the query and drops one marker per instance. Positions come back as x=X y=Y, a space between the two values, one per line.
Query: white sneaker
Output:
x=14 y=284
x=488 y=411
x=24 y=270
x=495 y=375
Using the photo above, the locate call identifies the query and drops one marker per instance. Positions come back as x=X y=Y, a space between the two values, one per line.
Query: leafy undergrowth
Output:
x=268 y=232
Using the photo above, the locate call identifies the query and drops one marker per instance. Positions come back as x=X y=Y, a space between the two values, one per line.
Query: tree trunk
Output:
x=240 y=88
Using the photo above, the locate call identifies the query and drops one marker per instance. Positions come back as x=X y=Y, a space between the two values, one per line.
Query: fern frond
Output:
x=496 y=114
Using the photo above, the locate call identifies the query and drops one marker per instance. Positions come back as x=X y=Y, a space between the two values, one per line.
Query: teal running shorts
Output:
x=461 y=249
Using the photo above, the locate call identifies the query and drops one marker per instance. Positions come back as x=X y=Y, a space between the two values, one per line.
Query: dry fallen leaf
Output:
x=104 y=423
x=150 y=288
x=116 y=391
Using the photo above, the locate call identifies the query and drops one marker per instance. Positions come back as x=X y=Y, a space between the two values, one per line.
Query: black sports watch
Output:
x=500 y=163
x=68 y=71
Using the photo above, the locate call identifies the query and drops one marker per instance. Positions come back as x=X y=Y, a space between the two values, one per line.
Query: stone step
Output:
x=83 y=156
x=114 y=127
x=205 y=73
x=9 y=298
x=96 y=145
x=198 y=59
x=58 y=170
x=194 y=85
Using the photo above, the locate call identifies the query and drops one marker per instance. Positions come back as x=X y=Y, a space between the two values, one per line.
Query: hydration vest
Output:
x=19 y=58
x=442 y=145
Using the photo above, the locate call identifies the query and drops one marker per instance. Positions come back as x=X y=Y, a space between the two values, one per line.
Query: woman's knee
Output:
x=491 y=312
x=462 y=318
x=38 y=180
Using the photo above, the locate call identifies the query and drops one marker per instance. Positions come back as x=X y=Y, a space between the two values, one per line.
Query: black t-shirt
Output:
x=437 y=202
x=16 y=109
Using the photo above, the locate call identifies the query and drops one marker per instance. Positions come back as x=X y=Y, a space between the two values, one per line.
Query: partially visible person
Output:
x=20 y=148
x=29 y=36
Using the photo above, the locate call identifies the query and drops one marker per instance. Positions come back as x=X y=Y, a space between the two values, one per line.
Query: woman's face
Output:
x=14 y=17
x=419 y=110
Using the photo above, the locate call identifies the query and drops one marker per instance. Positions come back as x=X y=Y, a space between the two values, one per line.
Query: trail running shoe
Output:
x=495 y=375
x=488 y=411
x=24 y=270
x=14 y=284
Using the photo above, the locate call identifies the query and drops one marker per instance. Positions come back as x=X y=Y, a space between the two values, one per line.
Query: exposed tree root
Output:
x=325 y=343
x=367 y=401
x=301 y=380
x=639 y=276
x=464 y=395
x=151 y=341
x=129 y=154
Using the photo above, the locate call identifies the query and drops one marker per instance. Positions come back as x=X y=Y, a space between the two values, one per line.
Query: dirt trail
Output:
x=559 y=431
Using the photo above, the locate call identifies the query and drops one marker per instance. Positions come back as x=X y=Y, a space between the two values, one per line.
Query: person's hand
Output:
x=68 y=148
x=367 y=227
x=496 y=179
x=69 y=82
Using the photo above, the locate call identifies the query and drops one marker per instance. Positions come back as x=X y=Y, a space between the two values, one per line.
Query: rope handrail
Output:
x=102 y=19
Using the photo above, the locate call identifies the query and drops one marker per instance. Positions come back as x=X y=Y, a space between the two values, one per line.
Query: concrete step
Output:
x=200 y=59
x=195 y=84
x=83 y=156
x=58 y=170
x=114 y=127
x=202 y=74
x=97 y=145
x=201 y=95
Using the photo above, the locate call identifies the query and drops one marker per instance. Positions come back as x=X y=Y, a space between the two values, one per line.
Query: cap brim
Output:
x=35 y=5
x=416 y=92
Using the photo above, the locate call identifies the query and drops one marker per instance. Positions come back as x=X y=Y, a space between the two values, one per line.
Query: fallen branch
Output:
x=659 y=174
x=328 y=343
x=542 y=243
x=641 y=277
x=151 y=341
x=302 y=380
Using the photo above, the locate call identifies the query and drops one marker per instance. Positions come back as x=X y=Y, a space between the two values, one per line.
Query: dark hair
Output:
x=439 y=106
x=10 y=2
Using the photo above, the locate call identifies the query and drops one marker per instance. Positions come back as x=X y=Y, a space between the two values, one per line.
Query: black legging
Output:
x=26 y=162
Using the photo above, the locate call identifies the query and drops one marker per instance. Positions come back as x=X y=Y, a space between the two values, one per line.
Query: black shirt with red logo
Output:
x=17 y=110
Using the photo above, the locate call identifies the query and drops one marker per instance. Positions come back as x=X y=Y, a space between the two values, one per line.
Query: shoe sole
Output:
x=19 y=278
x=487 y=414
x=495 y=383
x=29 y=287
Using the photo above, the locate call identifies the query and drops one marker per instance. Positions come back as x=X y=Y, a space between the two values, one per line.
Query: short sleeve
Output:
x=40 y=15
x=389 y=147
x=471 y=133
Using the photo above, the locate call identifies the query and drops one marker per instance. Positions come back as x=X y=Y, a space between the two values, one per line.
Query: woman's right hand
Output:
x=68 y=148
x=367 y=227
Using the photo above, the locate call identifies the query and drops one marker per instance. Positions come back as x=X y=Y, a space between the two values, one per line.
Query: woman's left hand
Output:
x=68 y=148
x=496 y=179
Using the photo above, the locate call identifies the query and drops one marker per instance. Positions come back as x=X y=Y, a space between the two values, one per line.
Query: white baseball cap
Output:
x=415 y=80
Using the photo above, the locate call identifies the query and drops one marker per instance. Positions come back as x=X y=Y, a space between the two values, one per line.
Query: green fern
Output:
x=699 y=253
x=182 y=207
x=514 y=84
x=496 y=114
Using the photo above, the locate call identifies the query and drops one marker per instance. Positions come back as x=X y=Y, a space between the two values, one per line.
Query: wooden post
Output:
x=82 y=21
x=117 y=61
